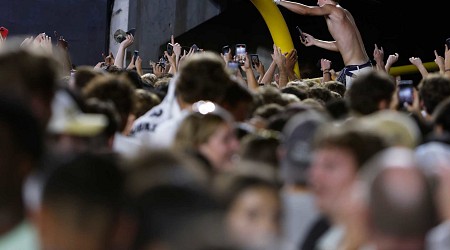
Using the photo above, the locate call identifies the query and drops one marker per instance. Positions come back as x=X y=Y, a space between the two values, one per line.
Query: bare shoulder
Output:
x=337 y=11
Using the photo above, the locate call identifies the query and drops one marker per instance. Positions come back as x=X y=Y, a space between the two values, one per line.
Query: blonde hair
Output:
x=196 y=129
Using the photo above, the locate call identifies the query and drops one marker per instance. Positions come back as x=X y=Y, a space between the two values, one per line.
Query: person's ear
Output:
x=383 y=104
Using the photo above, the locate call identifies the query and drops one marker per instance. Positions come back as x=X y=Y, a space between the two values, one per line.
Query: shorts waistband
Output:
x=356 y=67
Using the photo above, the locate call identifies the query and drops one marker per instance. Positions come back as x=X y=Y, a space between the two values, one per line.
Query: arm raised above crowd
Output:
x=120 y=56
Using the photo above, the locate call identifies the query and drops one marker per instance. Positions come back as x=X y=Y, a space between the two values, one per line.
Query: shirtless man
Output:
x=343 y=29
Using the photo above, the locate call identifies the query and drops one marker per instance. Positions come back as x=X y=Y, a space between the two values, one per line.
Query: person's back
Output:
x=81 y=203
x=299 y=210
x=342 y=27
x=21 y=150
x=203 y=76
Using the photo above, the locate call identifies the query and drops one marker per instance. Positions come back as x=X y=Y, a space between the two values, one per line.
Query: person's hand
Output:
x=247 y=63
x=415 y=107
x=62 y=43
x=177 y=50
x=138 y=62
x=47 y=45
x=260 y=69
x=447 y=60
x=309 y=40
x=109 y=60
x=439 y=60
x=291 y=59
x=415 y=61
x=278 y=57
x=418 y=63
x=171 y=58
x=325 y=64
x=27 y=41
x=38 y=39
x=129 y=39
x=378 y=54
x=131 y=64
x=392 y=59
x=158 y=70
x=227 y=56
x=99 y=65
x=183 y=56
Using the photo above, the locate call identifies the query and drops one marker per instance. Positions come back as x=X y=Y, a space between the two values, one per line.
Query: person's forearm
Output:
x=172 y=70
x=294 y=7
x=380 y=66
x=423 y=71
x=291 y=75
x=268 y=76
x=447 y=65
x=326 y=75
x=387 y=67
x=328 y=45
x=64 y=57
x=252 y=83
x=283 y=80
x=139 y=70
x=120 y=57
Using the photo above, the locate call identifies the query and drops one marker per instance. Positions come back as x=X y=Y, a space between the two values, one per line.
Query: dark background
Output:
x=83 y=23
x=409 y=28
x=397 y=26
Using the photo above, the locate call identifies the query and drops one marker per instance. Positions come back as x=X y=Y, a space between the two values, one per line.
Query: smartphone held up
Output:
x=255 y=60
x=135 y=54
x=302 y=36
x=405 y=92
x=241 y=53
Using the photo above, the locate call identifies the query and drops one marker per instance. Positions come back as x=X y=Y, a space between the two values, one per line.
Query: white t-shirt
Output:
x=165 y=132
x=144 y=128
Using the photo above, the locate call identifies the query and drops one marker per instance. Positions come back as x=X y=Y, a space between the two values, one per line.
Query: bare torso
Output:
x=343 y=29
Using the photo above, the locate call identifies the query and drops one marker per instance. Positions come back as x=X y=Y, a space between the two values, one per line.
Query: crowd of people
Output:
x=200 y=154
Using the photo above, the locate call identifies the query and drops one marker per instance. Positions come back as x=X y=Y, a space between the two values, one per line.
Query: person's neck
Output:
x=183 y=105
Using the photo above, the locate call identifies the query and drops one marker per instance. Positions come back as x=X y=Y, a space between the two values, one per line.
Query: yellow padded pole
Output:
x=277 y=26
x=410 y=69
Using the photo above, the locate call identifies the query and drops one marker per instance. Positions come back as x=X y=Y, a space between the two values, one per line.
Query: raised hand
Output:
x=46 y=44
x=131 y=64
x=129 y=40
x=415 y=61
x=291 y=60
x=280 y=60
x=38 y=39
x=309 y=40
x=109 y=60
x=392 y=59
x=138 y=64
x=418 y=63
x=62 y=43
x=439 y=60
x=378 y=56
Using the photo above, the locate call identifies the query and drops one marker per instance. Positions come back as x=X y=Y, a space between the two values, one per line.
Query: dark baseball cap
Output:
x=298 y=135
